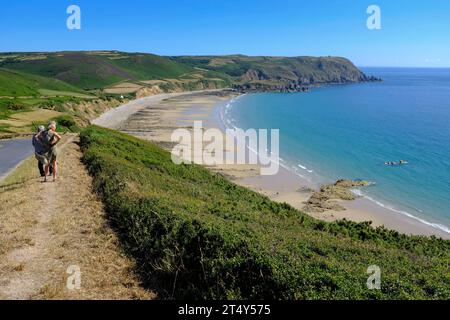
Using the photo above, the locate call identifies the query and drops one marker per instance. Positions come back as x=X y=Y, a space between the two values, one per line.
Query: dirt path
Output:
x=48 y=229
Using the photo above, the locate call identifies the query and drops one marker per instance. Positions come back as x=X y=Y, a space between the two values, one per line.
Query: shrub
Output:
x=66 y=123
x=15 y=106
x=196 y=235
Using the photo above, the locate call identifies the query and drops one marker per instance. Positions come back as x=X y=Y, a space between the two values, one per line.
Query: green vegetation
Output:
x=196 y=235
x=19 y=84
x=81 y=70
x=66 y=123
x=23 y=92
x=33 y=81
x=273 y=71
x=94 y=70
x=11 y=106
x=30 y=81
x=149 y=66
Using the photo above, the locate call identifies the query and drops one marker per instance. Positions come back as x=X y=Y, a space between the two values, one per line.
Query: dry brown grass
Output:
x=123 y=87
x=22 y=121
x=45 y=228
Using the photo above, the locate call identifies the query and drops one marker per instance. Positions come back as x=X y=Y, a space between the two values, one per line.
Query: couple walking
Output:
x=46 y=152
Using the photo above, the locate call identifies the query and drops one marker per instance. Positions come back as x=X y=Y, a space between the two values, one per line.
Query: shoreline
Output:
x=362 y=209
x=154 y=118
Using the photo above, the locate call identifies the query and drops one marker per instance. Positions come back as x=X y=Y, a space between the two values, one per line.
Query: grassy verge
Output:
x=196 y=235
x=26 y=171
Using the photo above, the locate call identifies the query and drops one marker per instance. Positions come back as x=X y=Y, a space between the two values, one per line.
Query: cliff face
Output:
x=180 y=86
x=283 y=74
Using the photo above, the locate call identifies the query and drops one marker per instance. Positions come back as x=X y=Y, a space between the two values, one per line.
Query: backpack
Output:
x=47 y=139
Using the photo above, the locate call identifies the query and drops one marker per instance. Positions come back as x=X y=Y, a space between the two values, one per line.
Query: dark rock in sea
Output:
x=324 y=199
x=281 y=88
x=302 y=85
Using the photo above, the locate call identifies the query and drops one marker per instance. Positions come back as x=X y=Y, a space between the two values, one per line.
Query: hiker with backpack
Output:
x=39 y=152
x=49 y=139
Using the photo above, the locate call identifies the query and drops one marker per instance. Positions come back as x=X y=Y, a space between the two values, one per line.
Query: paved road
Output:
x=12 y=152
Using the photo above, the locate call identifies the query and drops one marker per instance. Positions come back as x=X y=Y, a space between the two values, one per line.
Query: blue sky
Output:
x=413 y=33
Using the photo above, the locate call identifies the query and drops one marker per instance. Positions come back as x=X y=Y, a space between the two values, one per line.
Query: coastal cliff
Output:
x=280 y=74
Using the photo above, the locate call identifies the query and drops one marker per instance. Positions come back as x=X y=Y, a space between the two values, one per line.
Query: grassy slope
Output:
x=90 y=70
x=22 y=91
x=150 y=67
x=96 y=70
x=17 y=84
x=197 y=235
x=78 y=69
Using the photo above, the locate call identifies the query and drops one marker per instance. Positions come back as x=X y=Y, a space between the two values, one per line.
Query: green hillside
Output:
x=50 y=80
x=196 y=235
x=66 y=81
x=149 y=66
x=95 y=70
x=90 y=70
x=18 y=84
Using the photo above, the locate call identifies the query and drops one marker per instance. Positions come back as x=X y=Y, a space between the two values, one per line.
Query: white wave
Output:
x=402 y=212
x=357 y=192
x=305 y=168
x=224 y=114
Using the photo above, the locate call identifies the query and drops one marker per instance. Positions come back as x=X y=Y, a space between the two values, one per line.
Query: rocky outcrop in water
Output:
x=324 y=199
x=303 y=85
x=259 y=87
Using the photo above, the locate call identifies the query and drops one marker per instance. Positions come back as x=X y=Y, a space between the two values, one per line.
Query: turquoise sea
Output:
x=350 y=131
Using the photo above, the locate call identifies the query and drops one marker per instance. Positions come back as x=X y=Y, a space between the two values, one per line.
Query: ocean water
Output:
x=350 y=131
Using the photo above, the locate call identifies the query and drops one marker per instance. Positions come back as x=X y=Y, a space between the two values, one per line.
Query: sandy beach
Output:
x=154 y=118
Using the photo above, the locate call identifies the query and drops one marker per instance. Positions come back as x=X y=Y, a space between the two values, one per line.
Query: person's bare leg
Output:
x=47 y=168
x=55 y=170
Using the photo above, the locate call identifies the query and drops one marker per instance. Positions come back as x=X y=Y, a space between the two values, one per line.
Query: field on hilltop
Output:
x=90 y=70
x=19 y=84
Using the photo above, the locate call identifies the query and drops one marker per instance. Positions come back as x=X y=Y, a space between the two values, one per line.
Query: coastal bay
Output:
x=157 y=120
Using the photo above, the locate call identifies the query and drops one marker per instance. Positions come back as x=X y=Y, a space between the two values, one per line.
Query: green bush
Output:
x=196 y=235
x=66 y=123
x=57 y=103
x=16 y=106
